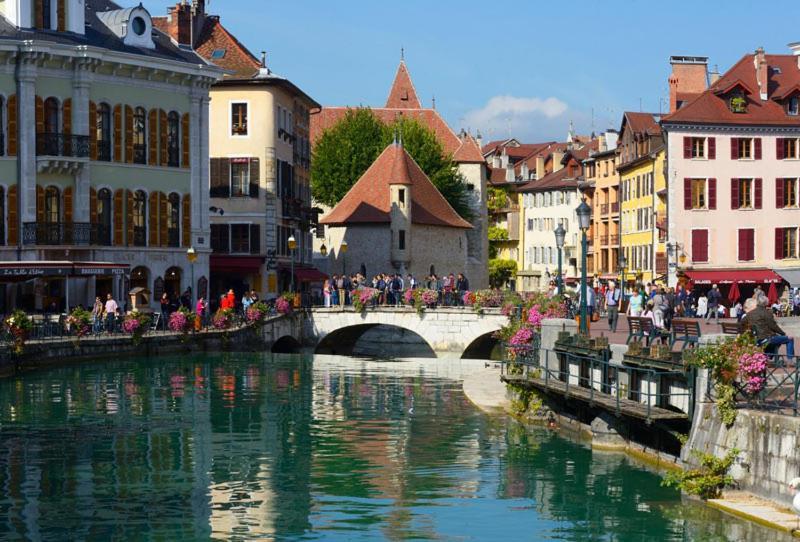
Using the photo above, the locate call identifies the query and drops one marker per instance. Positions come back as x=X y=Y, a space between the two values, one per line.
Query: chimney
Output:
x=479 y=140
x=689 y=76
x=180 y=23
x=713 y=75
x=540 y=167
x=557 y=156
x=524 y=171
x=762 y=72
x=503 y=158
x=495 y=162
x=795 y=47
x=510 y=173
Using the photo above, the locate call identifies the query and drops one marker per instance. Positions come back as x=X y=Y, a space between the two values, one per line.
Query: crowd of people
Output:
x=338 y=290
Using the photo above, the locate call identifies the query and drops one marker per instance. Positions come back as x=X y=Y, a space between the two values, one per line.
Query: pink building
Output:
x=733 y=175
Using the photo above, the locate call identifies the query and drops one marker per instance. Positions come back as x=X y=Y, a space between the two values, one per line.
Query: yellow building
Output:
x=641 y=154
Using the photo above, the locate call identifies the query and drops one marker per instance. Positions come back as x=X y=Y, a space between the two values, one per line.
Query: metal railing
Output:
x=139 y=236
x=67 y=145
x=604 y=208
x=139 y=154
x=615 y=207
x=781 y=389
x=104 y=151
x=65 y=233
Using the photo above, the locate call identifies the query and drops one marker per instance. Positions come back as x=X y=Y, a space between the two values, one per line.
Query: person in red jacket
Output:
x=230 y=299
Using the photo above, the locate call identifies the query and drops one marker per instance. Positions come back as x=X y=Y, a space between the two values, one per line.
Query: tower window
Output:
x=401 y=239
x=401 y=196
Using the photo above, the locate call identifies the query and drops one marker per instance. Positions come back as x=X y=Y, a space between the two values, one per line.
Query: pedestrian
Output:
x=340 y=290
x=635 y=303
x=714 y=298
x=702 y=306
x=246 y=301
x=164 y=310
x=200 y=312
x=612 y=305
x=326 y=293
x=462 y=285
x=97 y=315
x=111 y=311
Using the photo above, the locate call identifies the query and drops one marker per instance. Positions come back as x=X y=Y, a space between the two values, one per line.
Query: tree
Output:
x=501 y=271
x=345 y=151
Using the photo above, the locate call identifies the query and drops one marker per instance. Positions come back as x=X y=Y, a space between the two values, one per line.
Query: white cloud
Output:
x=512 y=114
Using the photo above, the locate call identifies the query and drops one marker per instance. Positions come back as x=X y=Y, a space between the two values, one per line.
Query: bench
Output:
x=642 y=328
x=685 y=330
x=731 y=328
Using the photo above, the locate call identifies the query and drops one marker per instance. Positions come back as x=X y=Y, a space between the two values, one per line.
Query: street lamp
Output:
x=584 y=213
x=292 y=243
x=323 y=250
x=191 y=255
x=343 y=250
x=561 y=233
x=623 y=263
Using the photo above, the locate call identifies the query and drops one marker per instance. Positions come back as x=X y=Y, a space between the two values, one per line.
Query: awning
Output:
x=235 y=264
x=24 y=270
x=729 y=276
x=309 y=275
x=82 y=269
x=792 y=276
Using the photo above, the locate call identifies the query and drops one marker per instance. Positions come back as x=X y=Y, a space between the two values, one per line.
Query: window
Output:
x=139 y=141
x=745 y=200
x=220 y=238
x=698 y=194
x=786 y=193
x=46 y=8
x=52 y=205
x=173 y=138
x=530 y=224
x=745 y=149
x=698 y=147
x=401 y=195
x=785 y=243
x=104 y=217
x=139 y=216
x=173 y=220
x=239 y=119
x=137 y=24
x=51 y=116
x=699 y=245
x=240 y=238
x=103 y=132
x=787 y=148
x=401 y=239
x=793 y=105
x=240 y=177
x=218 y=53
x=746 y=245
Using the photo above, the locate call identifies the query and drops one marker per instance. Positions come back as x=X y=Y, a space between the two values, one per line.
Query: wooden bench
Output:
x=731 y=328
x=642 y=328
x=685 y=330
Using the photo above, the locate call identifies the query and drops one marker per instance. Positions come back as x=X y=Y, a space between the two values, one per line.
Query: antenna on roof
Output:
x=402 y=54
x=433 y=101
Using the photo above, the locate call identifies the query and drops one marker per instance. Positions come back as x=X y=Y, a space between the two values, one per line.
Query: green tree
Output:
x=501 y=271
x=345 y=151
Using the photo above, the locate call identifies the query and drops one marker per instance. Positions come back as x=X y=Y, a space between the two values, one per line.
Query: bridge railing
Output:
x=781 y=391
x=601 y=381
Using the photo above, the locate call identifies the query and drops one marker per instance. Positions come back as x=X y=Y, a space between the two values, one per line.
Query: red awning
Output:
x=309 y=275
x=729 y=276
x=236 y=264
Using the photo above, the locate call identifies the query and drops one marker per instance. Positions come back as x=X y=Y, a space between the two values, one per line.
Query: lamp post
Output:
x=292 y=243
x=584 y=213
x=343 y=250
x=191 y=255
x=623 y=263
x=323 y=250
x=561 y=233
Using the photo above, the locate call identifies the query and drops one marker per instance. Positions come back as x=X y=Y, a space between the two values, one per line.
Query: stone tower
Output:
x=400 y=199
x=472 y=166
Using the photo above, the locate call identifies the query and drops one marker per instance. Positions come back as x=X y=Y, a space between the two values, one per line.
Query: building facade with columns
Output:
x=104 y=151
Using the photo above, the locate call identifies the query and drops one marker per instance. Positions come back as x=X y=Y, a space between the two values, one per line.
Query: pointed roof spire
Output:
x=403 y=95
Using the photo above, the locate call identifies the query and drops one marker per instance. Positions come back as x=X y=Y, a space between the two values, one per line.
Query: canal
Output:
x=248 y=446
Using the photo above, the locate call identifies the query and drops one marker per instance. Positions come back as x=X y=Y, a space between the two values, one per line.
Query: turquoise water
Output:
x=241 y=447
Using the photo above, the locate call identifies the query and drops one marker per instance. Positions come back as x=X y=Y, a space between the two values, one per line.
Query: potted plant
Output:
x=19 y=325
x=79 y=322
x=136 y=324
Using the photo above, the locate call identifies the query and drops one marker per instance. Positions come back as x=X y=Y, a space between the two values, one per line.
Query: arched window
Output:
x=173 y=138
x=51 y=111
x=139 y=218
x=173 y=219
x=104 y=132
x=140 y=277
x=47 y=23
x=104 y=217
x=139 y=140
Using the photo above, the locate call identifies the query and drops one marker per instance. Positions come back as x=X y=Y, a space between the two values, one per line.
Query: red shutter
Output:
x=734 y=148
x=699 y=245
x=758 y=190
x=780 y=149
x=780 y=197
x=779 y=233
x=712 y=194
x=742 y=253
x=757 y=145
x=751 y=244
x=747 y=245
x=735 y=194
x=687 y=193
x=712 y=148
x=687 y=147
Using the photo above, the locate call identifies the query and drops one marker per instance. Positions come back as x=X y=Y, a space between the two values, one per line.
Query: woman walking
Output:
x=200 y=311
x=326 y=293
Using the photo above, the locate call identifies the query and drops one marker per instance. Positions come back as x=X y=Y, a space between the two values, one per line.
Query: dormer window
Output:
x=738 y=103
x=138 y=26
x=793 y=106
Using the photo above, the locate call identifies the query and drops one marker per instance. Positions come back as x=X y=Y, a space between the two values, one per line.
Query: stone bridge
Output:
x=451 y=331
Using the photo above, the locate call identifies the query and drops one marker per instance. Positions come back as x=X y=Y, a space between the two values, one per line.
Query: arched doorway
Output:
x=172 y=282
x=140 y=277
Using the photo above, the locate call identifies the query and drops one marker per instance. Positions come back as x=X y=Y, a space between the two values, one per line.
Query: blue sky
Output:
x=522 y=68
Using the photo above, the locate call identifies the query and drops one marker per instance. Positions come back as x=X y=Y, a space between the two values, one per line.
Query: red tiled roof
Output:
x=237 y=58
x=711 y=107
x=368 y=200
x=641 y=123
x=492 y=145
x=557 y=179
x=468 y=152
x=497 y=175
x=402 y=93
x=328 y=116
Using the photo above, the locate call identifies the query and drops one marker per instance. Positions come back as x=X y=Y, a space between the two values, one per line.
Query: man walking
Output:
x=612 y=305
x=714 y=298
x=111 y=313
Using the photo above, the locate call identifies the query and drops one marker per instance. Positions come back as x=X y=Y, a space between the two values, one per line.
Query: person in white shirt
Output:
x=111 y=313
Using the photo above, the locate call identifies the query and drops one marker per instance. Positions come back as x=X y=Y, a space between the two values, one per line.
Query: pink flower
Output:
x=283 y=306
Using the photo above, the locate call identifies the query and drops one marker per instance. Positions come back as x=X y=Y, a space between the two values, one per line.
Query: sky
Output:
x=515 y=68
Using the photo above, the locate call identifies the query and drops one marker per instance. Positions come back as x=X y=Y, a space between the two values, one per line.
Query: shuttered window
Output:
x=12 y=125
x=185 y=140
x=699 y=245
x=186 y=221
x=785 y=243
x=746 y=245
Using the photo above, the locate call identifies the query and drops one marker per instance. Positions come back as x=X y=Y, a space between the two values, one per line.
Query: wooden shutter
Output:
x=93 y=130
x=751 y=245
x=780 y=149
x=162 y=134
x=152 y=219
x=13 y=216
x=712 y=194
x=255 y=176
x=186 y=220
x=66 y=114
x=163 y=223
x=742 y=248
x=255 y=239
x=699 y=245
x=61 y=15
x=68 y=205
x=757 y=146
x=734 y=148
x=780 y=197
x=735 y=194
x=779 y=233
x=185 y=140
x=712 y=148
x=758 y=193
x=118 y=133
x=220 y=177
x=687 y=147
x=39 y=114
x=746 y=245
x=92 y=205
x=39 y=13
x=128 y=134
x=129 y=218
x=152 y=137
x=11 y=136
x=119 y=213
x=39 y=204
x=687 y=193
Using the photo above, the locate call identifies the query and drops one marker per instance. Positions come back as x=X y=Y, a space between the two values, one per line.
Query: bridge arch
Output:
x=486 y=346
x=286 y=345
x=375 y=340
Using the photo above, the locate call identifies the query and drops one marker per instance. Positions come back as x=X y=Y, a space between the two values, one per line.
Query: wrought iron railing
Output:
x=67 y=145
x=615 y=207
x=140 y=154
x=104 y=151
x=781 y=389
x=59 y=233
x=139 y=236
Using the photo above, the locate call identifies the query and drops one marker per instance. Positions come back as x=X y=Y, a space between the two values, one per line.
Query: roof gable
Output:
x=235 y=57
x=402 y=94
x=469 y=151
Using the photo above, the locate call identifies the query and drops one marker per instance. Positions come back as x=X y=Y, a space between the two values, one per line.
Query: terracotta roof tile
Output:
x=641 y=123
x=468 y=152
x=402 y=94
x=237 y=58
x=368 y=200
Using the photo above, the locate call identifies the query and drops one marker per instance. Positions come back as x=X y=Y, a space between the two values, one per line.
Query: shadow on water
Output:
x=252 y=446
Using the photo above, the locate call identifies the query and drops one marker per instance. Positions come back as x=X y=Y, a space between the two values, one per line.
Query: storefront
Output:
x=744 y=281
x=240 y=273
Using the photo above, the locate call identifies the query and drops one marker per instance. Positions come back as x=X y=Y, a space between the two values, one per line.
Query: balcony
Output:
x=139 y=236
x=139 y=154
x=104 y=151
x=604 y=240
x=604 y=208
x=65 y=233
x=615 y=207
x=65 y=145
x=613 y=239
x=661 y=263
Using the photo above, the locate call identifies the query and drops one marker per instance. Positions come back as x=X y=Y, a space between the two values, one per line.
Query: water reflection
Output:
x=249 y=446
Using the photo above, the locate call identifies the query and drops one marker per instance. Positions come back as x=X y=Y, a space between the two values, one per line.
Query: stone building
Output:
x=259 y=165
x=103 y=154
x=394 y=219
